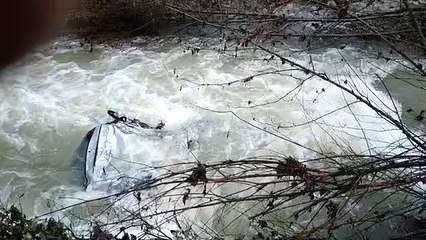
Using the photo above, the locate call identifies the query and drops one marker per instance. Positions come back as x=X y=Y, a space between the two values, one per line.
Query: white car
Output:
x=105 y=154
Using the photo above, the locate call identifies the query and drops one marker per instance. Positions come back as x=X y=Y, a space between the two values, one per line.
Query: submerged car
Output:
x=107 y=149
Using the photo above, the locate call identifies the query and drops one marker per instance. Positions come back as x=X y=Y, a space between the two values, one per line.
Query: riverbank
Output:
x=248 y=19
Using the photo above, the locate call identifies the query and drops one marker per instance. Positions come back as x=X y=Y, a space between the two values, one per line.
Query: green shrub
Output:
x=15 y=226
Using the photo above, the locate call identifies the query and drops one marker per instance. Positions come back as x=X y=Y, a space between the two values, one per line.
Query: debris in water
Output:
x=160 y=125
x=263 y=224
x=420 y=117
x=270 y=204
x=198 y=174
x=186 y=195
x=296 y=215
x=248 y=79
x=195 y=50
x=138 y=196
x=190 y=144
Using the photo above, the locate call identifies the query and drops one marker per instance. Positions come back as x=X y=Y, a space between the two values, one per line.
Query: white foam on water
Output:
x=50 y=103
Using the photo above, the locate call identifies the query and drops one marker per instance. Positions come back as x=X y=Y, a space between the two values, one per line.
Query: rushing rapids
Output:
x=52 y=99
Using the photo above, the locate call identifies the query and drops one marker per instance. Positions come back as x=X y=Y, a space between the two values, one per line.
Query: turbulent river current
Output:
x=51 y=99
